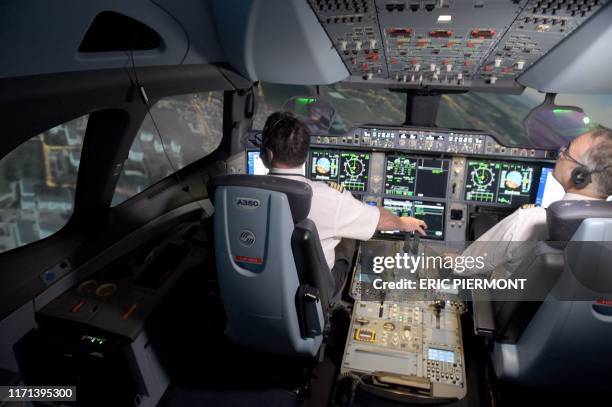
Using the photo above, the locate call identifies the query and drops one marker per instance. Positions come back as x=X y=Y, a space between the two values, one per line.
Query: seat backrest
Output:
x=563 y=218
x=273 y=303
x=566 y=337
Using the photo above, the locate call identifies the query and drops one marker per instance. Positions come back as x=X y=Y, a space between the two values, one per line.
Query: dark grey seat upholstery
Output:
x=275 y=284
x=553 y=335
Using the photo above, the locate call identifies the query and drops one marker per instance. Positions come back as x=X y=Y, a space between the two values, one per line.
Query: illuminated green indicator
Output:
x=556 y=111
x=305 y=101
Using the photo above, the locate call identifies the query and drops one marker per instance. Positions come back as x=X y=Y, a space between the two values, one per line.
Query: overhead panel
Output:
x=447 y=43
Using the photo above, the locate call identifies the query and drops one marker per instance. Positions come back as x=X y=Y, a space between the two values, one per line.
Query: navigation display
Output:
x=506 y=183
x=347 y=168
x=420 y=177
x=431 y=212
x=515 y=183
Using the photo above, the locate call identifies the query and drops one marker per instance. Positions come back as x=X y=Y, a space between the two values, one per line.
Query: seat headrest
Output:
x=564 y=217
x=299 y=194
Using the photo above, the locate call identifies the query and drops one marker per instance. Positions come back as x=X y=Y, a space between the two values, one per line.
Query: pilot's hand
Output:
x=410 y=224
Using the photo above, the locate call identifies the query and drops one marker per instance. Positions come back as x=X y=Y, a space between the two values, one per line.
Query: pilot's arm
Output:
x=500 y=244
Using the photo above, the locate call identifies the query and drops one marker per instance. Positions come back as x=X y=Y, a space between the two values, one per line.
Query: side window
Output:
x=190 y=127
x=37 y=184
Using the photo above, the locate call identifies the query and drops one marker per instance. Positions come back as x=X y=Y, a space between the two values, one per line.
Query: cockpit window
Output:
x=190 y=127
x=354 y=106
x=37 y=184
x=498 y=114
x=597 y=107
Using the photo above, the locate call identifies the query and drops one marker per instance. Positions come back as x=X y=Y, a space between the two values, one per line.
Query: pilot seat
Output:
x=274 y=282
x=557 y=335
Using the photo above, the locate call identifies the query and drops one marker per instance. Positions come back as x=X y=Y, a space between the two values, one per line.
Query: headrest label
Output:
x=247 y=203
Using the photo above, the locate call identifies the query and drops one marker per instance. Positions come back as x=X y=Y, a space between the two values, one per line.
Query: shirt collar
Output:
x=570 y=196
x=287 y=171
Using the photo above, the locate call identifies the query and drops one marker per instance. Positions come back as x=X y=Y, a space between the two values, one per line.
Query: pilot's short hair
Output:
x=287 y=137
x=599 y=158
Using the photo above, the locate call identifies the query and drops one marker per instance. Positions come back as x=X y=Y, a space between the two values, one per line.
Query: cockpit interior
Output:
x=149 y=258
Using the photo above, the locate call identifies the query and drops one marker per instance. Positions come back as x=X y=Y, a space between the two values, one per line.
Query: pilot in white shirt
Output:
x=335 y=212
x=584 y=170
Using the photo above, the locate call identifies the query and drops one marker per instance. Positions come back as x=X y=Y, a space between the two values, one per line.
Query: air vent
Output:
x=112 y=31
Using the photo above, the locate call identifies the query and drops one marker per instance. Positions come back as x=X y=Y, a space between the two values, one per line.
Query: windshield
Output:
x=498 y=114
x=354 y=106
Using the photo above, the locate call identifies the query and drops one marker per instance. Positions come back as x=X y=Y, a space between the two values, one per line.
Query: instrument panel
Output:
x=432 y=174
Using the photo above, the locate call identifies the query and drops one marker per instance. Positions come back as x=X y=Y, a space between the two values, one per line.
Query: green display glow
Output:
x=305 y=101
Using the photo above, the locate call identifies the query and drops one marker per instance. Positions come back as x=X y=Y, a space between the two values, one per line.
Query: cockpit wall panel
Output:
x=586 y=54
x=277 y=41
x=42 y=37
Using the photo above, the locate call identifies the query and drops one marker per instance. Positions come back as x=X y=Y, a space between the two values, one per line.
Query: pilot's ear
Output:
x=269 y=157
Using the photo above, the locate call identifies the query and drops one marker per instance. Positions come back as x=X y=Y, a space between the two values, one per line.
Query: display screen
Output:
x=441 y=355
x=549 y=189
x=507 y=183
x=432 y=175
x=254 y=164
x=400 y=175
x=400 y=207
x=421 y=177
x=431 y=212
x=433 y=215
x=347 y=168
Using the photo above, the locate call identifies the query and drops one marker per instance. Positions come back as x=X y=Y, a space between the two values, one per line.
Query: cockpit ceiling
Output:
x=448 y=43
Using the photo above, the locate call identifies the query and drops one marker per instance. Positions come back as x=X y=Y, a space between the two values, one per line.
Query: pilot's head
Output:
x=285 y=141
x=584 y=165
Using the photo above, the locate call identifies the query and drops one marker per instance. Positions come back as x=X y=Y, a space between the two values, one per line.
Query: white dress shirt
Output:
x=501 y=243
x=336 y=214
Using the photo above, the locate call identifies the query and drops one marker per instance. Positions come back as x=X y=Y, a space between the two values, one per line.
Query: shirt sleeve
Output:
x=503 y=243
x=355 y=219
x=493 y=246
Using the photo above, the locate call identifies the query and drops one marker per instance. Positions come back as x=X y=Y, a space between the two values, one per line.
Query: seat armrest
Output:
x=483 y=313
